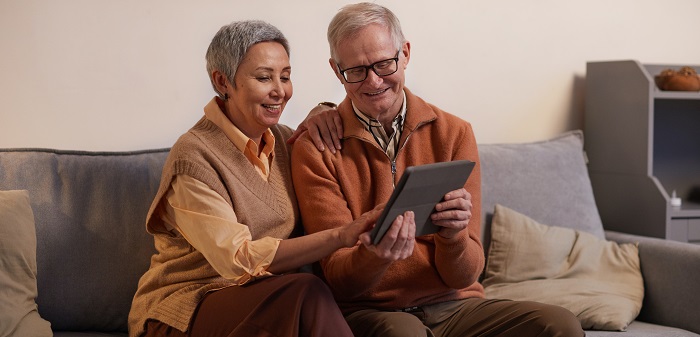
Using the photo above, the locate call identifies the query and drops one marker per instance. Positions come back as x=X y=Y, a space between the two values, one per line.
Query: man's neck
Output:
x=385 y=119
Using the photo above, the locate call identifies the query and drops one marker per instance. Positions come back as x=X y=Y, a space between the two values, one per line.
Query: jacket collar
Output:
x=418 y=112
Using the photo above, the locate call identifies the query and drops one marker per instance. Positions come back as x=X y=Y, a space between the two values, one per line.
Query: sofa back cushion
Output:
x=92 y=246
x=547 y=181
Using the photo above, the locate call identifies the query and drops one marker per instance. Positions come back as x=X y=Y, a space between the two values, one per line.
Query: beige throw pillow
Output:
x=18 y=310
x=599 y=281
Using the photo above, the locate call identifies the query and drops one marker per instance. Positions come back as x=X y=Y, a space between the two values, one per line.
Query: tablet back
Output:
x=419 y=190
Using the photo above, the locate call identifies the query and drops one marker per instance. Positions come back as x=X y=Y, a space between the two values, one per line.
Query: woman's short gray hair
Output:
x=352 y=18
x=231 y=43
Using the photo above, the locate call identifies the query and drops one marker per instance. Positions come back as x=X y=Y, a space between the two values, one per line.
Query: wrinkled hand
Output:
x=324 y=126
x=399 y=240
x=453 y=213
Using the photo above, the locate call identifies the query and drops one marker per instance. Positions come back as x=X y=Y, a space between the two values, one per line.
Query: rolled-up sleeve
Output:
x=210 y=225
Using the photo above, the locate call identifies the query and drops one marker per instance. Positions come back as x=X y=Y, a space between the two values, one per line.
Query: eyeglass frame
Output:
x=371 y=66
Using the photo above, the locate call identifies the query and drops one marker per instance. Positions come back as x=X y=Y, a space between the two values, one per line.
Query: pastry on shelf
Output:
x=685 y=79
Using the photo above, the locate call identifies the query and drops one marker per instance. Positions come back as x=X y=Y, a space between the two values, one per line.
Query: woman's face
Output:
x=263 y=87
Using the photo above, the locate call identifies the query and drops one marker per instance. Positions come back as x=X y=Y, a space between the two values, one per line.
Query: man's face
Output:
x=380 y=97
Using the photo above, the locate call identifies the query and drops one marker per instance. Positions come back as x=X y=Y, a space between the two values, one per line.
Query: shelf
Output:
x=642 y=144
x=687 y=210
x=654 y=69
x=676 y=94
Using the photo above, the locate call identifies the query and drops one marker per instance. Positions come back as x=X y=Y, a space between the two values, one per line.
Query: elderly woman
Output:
x=225 y=219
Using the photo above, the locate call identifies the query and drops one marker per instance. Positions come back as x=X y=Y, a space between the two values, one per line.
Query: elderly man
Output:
x=404 y=285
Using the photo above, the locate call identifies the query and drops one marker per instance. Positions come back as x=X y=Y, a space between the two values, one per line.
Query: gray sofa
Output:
x=89 y=210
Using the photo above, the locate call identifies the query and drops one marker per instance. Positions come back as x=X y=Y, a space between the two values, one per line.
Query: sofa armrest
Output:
x=671 y=272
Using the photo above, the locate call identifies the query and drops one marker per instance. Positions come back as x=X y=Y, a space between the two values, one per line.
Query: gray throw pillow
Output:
x=547 y=180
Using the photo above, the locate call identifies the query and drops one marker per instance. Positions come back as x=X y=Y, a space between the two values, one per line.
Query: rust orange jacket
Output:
x=334 y=189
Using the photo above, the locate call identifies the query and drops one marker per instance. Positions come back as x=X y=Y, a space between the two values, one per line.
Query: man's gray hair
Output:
x=352 y=18
x=230 y=45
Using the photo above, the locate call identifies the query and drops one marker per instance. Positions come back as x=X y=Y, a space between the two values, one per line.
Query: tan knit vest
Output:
x=179 y=275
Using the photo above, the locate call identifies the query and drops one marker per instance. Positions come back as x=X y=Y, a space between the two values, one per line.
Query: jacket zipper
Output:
x=393 y=162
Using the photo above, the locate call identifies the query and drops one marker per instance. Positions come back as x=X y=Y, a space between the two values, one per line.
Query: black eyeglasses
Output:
x=381 y=68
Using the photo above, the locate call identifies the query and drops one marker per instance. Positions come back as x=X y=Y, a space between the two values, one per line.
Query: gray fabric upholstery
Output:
x=92 y=247
x=641 y=329
x=671 y=272
x=547 y=181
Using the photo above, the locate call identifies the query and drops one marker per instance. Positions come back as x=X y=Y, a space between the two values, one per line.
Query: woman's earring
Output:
x=225 y=96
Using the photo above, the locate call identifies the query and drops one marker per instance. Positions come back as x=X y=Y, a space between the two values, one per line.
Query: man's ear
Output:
x=406 y=50
x=334 y=66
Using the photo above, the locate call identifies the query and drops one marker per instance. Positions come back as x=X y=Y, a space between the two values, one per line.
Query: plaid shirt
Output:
x=388 y=143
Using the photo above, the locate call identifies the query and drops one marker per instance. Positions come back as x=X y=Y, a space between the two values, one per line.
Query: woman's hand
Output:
x=453 y=213
x=350 y=234
x=324 y=126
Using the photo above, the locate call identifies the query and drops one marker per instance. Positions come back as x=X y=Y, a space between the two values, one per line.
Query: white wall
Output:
x=129 y=74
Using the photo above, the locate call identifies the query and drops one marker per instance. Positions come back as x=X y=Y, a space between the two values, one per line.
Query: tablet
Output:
x=419 y=190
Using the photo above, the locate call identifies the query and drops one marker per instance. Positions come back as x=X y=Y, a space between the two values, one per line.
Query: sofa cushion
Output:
x=90 y=210
x=18 y=310
x=599 y=281
x=547 y=180
x=642 y=329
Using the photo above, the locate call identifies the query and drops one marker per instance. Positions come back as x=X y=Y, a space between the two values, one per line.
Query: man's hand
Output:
x=453 y=213
x=324 y=126
x=399 y=240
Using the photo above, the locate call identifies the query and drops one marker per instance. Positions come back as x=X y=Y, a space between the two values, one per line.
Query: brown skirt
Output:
x=281 y=306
